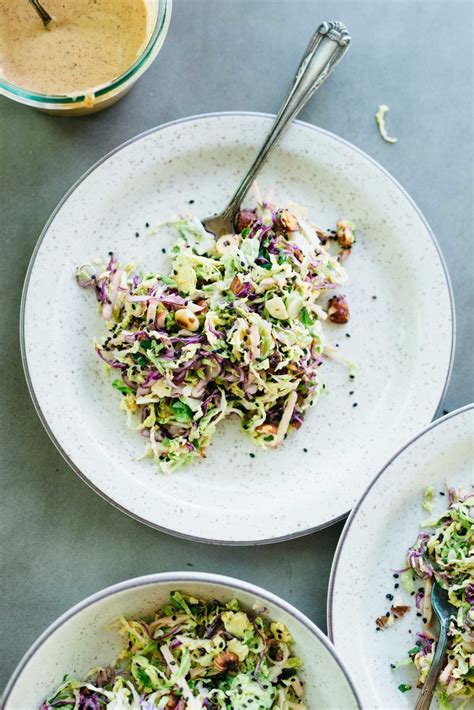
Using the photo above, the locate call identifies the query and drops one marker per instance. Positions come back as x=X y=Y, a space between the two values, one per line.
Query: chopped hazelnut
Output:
x=187 y=319
x=383 y=621
x=244 y=219
x=226 y=661
x=345 y=233
x=202 y=303
x=400 y=610
x=338 y=309
x=236 y=285
x=288 y=221
x=267 y=429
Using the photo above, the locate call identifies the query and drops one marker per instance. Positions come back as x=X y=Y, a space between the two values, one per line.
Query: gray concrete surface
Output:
x=59 y=541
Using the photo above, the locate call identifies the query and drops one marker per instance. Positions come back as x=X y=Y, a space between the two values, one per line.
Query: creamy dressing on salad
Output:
x=88 y=43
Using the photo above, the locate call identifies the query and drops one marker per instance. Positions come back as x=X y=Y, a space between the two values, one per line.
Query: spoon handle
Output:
x=326 y=48
x=44 y=15
x=426 y=695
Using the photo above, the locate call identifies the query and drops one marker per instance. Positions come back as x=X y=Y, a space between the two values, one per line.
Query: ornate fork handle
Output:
x=426 y=694
x=326 y=48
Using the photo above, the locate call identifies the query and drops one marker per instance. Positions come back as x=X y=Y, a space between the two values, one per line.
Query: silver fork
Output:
x=326 y=48
x=443 y=610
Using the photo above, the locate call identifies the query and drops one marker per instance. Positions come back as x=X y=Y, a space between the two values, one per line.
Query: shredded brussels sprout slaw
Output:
x=236 y=328
x=444 y=552
x=193 y=654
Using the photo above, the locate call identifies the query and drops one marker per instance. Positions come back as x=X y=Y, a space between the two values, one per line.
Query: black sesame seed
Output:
x=163 y=250
x=425 y=620
x=111 y=253
x=137 y=234
x=392 y=665
x=377 y=628
x=396 y=585
x=387 y=613
x=355 y=404
x=348 y=335
x=351 y=392
x=442 y=493
x=445 y=411
x=191 y=202
x=252 y=456
x=412 y=594
x=305 y=450
x=374 y=298
x=352 y=377
x=147 y=224
x=389 y=596
x=396 y=575
x=418 y=613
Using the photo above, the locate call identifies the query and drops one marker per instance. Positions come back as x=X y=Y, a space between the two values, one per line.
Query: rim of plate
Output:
x=139 y=136
x=198 y=577
x=355 y=510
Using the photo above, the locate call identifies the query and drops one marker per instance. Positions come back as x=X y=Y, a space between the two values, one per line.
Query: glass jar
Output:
x=100 y=97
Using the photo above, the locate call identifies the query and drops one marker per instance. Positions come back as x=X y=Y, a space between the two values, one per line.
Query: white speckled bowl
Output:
x=384 y=523
x=401 y=330
x=80 y=640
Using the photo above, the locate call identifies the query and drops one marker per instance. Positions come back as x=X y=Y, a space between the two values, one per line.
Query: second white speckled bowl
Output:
x=383 y=525
x=81 y=639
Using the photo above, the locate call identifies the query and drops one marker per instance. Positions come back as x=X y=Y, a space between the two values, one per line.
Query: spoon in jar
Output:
x=326 y=48
x=44 y=15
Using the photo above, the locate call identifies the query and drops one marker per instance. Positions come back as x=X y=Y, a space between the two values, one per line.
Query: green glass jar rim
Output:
x=164 y=12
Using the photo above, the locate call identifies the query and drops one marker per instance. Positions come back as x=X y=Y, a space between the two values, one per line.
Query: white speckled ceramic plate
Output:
x=384 y=523
x=401 y=331
x=82 y=638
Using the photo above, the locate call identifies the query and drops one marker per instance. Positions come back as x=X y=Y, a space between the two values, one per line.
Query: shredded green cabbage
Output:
x=235 y=328
x=193 y=654
x=444 y=552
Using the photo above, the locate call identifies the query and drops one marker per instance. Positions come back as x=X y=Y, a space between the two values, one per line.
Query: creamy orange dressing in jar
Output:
x=88 y=43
